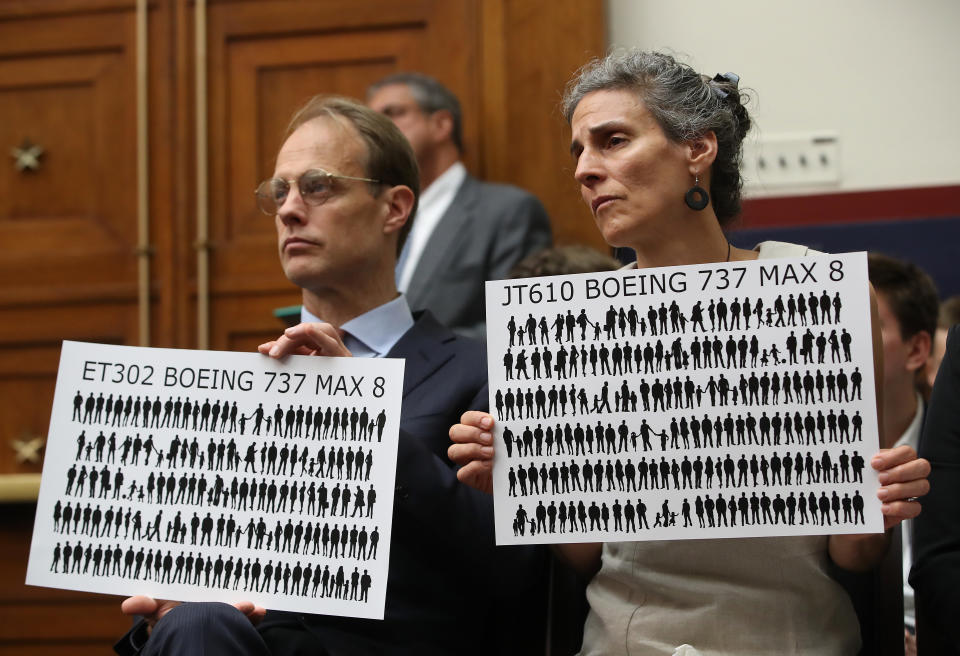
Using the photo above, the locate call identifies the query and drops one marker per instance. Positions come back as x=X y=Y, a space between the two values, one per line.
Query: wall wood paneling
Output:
x=68 y=230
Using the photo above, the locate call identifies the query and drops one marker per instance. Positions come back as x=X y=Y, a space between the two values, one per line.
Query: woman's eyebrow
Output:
x=606 y=127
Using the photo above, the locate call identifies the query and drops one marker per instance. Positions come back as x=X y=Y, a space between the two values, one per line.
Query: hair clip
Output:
x=731 y=78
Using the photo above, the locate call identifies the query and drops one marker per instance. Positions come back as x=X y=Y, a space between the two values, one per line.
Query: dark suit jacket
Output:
x=451 y=590
x=487 y=229
x=935 y=576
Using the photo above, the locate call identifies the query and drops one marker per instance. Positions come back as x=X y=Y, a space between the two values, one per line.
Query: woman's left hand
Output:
x=903 y=477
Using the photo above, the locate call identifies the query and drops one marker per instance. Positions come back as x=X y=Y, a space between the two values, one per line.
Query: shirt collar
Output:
x=448 y=182
x=374 y=333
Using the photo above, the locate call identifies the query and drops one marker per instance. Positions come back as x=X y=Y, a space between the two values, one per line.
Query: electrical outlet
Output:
x=795 y=160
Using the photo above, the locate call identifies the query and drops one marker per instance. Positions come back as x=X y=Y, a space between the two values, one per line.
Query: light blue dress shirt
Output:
x=373 y=334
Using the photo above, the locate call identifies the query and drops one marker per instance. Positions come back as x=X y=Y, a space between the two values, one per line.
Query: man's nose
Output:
x=292 y=209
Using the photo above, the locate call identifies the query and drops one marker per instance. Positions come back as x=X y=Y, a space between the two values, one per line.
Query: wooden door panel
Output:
x=67 y=229
x=27 y=402
x=67 y=263
x=76 y=647
x=95 y=620
x=29 y=362
x=73 y=218
x=28 y=367
x=56 y=27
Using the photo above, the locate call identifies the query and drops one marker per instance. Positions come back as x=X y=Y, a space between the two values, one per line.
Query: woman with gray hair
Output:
x=657 y=151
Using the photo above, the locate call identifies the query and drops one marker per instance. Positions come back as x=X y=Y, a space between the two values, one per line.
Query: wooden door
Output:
x=68 y=256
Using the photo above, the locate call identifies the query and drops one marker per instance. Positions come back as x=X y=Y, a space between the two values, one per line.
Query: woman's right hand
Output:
x=473 y=449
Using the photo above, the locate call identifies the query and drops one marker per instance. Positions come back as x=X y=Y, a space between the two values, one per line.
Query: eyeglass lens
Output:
x=313 y=185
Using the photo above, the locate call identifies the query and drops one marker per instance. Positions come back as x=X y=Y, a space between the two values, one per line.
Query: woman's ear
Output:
x=702 y=152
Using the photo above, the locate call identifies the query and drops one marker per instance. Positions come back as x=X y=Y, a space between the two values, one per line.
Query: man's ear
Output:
x=399 y=203
x=442 y=123
x=702 y=152
x=918 y=353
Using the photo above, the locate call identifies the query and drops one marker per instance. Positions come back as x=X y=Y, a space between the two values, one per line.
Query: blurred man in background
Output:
x=467 y=231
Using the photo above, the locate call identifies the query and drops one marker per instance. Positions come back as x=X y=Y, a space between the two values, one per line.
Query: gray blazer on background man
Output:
x=487 y=229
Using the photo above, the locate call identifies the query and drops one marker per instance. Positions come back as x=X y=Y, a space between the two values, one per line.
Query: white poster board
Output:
x=215 y=476
x=705 y=401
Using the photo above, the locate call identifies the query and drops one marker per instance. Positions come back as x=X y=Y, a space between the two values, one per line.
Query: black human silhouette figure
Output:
x=857 y=503
x=856 y=380
x=845 y=342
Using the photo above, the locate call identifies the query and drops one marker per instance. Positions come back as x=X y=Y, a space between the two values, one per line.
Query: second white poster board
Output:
x=692 y=402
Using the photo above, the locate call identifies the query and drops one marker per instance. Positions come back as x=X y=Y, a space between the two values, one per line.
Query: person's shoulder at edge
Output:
x=773 y=249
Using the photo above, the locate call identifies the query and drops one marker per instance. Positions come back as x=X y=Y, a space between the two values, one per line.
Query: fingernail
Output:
x=486 y=422
x=882 y=494
x=486 y=438
x=274 y=351
x=884 y=478
x=486 y=451
x=876 y=462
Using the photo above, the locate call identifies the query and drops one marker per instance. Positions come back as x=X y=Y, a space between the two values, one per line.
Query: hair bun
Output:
x=725 y=83
x=727 y=88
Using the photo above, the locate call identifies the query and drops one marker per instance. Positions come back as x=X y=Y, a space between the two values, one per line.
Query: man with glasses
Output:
x=343 y=195
x=467 y=231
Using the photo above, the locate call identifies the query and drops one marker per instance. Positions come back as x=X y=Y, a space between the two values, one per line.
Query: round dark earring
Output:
x=697 y=197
